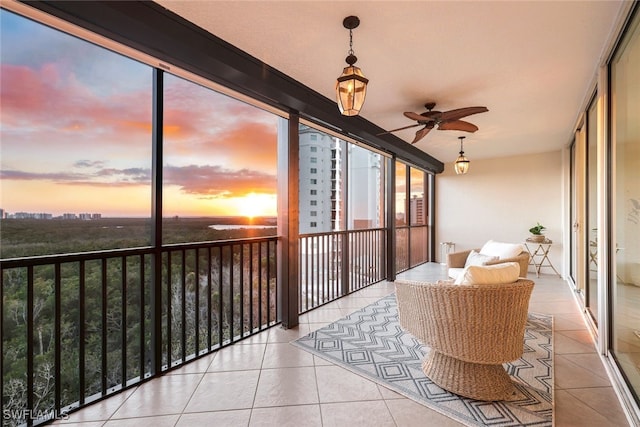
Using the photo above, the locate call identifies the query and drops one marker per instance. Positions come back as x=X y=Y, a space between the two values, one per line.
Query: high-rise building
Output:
x=416 y=209
x=365 y=189
x=321 y=186
x=323 y=161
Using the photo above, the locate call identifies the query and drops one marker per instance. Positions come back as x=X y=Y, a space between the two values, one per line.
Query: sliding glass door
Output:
x=625 y=187
x=578 y=211
x=592 y=261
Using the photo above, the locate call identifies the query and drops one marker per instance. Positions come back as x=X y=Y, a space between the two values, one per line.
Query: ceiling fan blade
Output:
x=462 y=112
x=421 y=134
x=419 y=117
x=402 y=128
x=458 y=125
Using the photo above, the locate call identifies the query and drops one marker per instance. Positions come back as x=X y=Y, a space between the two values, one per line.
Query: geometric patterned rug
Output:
x=370 y=342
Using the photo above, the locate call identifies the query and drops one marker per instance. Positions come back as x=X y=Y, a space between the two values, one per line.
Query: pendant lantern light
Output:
x=351 y=87
x=462 y=163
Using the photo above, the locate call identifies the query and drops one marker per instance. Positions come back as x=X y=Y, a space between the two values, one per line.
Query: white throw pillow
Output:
x=502 y=250
x=476 y=258
x=507 y=272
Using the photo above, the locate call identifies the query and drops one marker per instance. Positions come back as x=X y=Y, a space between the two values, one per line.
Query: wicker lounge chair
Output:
x=456 y=260
x=471 y=331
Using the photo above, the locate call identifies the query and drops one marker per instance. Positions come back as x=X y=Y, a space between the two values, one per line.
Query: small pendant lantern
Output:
x=462 y=163
x=351 y=87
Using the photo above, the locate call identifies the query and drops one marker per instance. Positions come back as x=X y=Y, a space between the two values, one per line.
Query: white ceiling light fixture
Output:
x=351 y=87
x=462 y=163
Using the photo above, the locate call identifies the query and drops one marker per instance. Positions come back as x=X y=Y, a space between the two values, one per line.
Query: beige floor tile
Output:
x=286 y=386
x=101 y=410
x=590 y=362
x=287 y=416
x=359 y=302
x=388 y=394
x=319 y=361
x=604 y=401
x=555 y=307
x=316 y=326
x=221 y=391
x=356 y=414
x=79 y=424
x=196 y=366
x=285 y=355
x=378 y=292
x=168 y=394
x=160 y=421
x=279 y=334
x=238 y=357
x=565 y=342
x=260 y=338
x=408 y=413
x=238 y=418
x=336 y=384
x=569 y=322
x=322 y=315
x=350 y=303
x=569 y=374
x=571 y=412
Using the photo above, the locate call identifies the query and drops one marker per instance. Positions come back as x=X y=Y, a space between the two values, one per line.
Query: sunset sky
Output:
x=75 y=135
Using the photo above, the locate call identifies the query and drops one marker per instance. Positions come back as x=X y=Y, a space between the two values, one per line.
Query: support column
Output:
x=391 y=219
x=288 y=219
x=156 y=223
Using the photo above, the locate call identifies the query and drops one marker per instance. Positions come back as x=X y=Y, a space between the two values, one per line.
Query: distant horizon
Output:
x=143 y=217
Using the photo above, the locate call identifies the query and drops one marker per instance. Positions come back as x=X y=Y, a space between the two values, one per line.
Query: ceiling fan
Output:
x=447 y=120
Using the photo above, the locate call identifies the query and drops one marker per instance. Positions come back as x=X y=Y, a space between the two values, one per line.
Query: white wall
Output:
x=500 y=199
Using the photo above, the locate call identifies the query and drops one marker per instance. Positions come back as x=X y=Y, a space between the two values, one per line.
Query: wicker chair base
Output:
x=473 y=380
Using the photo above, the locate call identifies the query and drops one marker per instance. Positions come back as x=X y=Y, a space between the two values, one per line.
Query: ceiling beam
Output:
x=153 y=30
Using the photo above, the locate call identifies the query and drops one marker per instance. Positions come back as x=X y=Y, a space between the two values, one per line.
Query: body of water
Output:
x=239 y=227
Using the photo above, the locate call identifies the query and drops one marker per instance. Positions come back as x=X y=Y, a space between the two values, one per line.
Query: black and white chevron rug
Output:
x=371 y=343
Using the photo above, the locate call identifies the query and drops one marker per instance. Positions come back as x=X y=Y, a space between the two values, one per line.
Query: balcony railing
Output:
x=335 y=264
x=411 y=246
x=79 y=327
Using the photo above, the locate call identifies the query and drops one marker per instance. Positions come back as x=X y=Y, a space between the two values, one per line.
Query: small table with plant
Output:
x=541 y=246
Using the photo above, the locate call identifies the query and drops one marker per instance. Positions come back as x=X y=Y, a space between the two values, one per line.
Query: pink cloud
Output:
x=45 y=100
x=23 y=91
x=250 y=144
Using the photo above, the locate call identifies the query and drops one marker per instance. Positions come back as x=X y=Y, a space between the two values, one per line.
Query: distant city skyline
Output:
x=46 y=215
x=4 y=214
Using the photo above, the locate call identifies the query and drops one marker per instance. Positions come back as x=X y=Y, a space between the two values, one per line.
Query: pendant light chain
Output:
x=350 y=41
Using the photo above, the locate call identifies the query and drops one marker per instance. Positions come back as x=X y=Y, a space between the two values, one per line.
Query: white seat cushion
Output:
x=502 y=250
x=454 y=272
x=476 y=258
x=507 y=272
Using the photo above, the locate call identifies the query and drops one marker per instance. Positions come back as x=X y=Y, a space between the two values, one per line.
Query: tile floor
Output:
x=265 y=381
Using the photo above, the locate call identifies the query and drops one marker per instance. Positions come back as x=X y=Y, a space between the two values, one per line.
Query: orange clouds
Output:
x=251 y=143
x=218 y=182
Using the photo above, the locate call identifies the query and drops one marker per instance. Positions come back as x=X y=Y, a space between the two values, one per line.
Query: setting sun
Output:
x=253 y=205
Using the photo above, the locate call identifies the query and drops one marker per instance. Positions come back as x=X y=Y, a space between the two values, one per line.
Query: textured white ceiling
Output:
x=532 y=64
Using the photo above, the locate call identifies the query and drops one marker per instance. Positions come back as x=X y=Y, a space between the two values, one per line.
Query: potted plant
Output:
x=536 y=233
